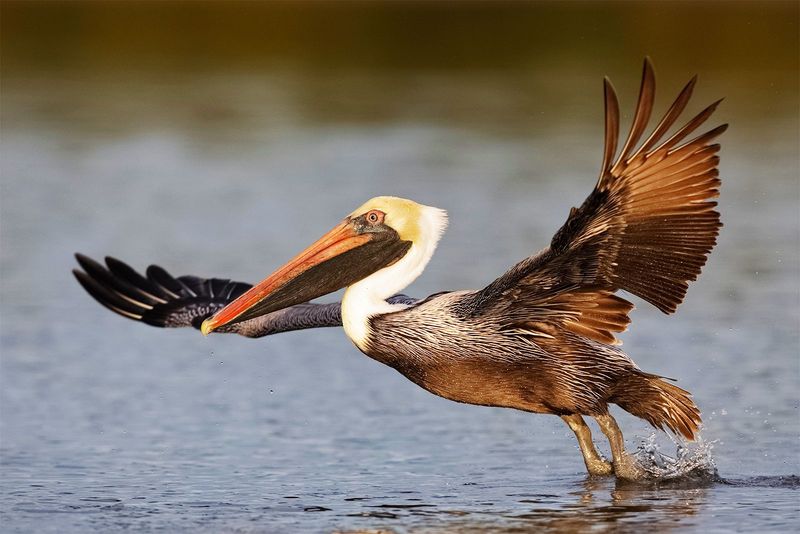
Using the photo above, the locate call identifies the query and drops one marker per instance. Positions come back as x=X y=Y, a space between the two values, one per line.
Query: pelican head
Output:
x=383 y=232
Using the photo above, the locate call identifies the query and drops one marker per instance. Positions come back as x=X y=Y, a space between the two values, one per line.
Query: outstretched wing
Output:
x=647 y=228
x=160 y=299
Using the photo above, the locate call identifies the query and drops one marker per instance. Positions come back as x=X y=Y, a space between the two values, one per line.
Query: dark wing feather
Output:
x=161 y=299
x=647 y=228
x=158 y=300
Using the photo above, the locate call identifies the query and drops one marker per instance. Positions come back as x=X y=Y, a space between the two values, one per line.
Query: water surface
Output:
x=228 y=171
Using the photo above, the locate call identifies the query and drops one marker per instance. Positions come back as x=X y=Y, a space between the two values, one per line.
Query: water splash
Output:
x=692 y=462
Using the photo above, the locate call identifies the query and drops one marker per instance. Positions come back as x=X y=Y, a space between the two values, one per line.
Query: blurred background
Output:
x=220 y=138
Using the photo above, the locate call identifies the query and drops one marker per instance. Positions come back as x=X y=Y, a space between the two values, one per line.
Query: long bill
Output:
x=341 y=257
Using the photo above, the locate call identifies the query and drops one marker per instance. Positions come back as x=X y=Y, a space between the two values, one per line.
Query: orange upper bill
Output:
x=339 y=240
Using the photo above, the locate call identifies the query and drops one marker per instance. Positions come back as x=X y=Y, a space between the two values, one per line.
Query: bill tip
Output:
x=206 y=327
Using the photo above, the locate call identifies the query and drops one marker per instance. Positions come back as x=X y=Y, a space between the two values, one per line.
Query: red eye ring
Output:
x=374 y=216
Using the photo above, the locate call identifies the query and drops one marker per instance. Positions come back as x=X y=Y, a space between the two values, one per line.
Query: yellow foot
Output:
x=598 y=467
x=629 y=469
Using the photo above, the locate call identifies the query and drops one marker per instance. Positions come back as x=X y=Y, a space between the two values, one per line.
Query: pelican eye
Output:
x=374 y=216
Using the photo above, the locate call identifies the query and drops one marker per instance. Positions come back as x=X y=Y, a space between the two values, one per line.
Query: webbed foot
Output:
x=626 y=467
x=599 y=467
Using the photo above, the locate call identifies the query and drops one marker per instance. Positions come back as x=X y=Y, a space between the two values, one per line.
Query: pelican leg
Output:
x=595 y=463
x=625 y=466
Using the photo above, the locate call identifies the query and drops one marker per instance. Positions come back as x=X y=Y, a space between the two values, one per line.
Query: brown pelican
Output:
x=541 y=337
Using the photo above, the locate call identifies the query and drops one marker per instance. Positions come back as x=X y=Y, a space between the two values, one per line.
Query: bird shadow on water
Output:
x=589 y=504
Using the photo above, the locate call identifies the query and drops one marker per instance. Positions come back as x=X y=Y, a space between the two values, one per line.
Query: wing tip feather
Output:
x=160 y=299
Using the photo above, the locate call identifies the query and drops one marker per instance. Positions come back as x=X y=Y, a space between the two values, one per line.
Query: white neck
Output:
x=367 y=297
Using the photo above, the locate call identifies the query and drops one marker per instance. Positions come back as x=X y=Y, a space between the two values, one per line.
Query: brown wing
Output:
x=589 y=312
x=647 y=228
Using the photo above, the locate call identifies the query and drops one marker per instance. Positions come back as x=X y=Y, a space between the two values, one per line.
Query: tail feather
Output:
x=659 y=403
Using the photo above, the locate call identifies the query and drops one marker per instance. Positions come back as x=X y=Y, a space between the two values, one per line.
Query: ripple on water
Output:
x=773 y=481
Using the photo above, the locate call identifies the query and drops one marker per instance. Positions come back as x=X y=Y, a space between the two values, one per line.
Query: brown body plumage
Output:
x=462 y=357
